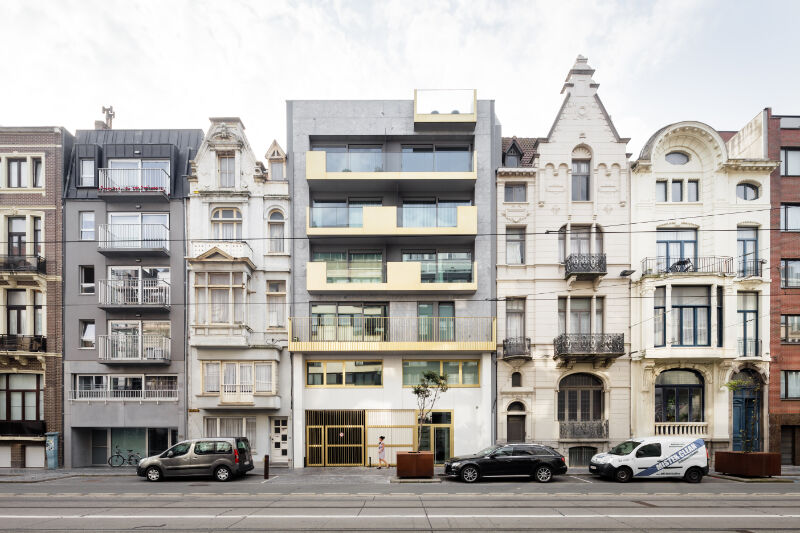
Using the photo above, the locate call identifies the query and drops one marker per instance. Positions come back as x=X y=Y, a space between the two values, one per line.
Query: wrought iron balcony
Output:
x=585 y=266
x=23 y=263
x=589 y=346
x=23 y=343
x=749 y=347
x=584 y=429
x=517 y=348
x=749 y=268
x=652 y=266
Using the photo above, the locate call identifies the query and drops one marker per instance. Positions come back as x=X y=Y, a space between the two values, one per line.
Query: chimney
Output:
x=100 y=125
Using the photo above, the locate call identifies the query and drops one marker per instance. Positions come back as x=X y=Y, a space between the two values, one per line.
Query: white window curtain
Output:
x=220 y=306
x=276 y=237
x=211 y=427
x=246 y=377
x=263 y=377
x=230 y=427
x=250 y=431
x=276 y=306
x=211 y=377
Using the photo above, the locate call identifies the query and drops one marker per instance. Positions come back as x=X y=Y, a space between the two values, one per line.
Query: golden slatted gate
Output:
x=399 y=428
x=335 y=437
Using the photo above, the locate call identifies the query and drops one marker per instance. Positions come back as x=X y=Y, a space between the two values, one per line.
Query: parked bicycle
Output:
x=118 y=459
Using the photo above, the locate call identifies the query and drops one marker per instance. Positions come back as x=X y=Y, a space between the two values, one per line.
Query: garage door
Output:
x=34 y=456
x=5 y=456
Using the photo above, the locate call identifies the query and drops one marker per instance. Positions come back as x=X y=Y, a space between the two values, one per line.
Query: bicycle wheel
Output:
x=116 y=460
x=134 y=458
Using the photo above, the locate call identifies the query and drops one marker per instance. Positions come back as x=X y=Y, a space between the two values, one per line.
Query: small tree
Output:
x=430 y=387
x=749 y=433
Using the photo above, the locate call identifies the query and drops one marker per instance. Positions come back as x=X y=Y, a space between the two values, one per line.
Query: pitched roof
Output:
x=526 y=144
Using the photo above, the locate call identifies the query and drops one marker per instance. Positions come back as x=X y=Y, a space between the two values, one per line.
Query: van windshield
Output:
x=624 y=448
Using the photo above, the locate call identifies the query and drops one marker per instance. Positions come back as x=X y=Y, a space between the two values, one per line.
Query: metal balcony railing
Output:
x=105 y=394
x=749 y=347
x=23 y=343
x=240 y=393
x=516 y=347
x=707 y=265
x=133 y=292
x=23 y=263
x=134 y=348
x=603 y=344
x=748 y=268
x=133 y=236
x=583 y=429
x=583 y=264
x=124 y=180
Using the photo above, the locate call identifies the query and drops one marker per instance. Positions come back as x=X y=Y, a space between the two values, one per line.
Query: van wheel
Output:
x=223 y=473
x=693 y=475
x=153 y=474
x=623 y=474
x=470 y=474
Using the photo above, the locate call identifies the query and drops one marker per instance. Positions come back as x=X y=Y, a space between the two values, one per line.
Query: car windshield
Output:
x=487 y=451
x=625 y=448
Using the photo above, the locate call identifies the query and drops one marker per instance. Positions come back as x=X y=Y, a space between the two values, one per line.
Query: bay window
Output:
x=221 y=297
x=691 y=310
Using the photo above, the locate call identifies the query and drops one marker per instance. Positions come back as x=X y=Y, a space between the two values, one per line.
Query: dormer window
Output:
x=512 y=158
x=227 y=179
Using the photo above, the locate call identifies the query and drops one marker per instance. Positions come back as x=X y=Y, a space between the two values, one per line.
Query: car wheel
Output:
x=623 y=474
x=470 y=474
x=223 y=473
x=153 y=474
x=693 y=475
x=543 y=474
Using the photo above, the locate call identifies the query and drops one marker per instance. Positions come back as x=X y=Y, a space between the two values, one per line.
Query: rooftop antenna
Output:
x=109 y=111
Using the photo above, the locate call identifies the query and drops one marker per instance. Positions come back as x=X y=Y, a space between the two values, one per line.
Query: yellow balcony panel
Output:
x=399 y=277
x=317 y=170
x=384 y=221
x=445 y=106
x=394 y=334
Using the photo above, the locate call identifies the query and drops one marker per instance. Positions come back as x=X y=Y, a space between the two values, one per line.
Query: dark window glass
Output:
x=649 y=450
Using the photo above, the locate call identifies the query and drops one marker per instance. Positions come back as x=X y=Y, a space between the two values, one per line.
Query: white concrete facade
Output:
x=238 y=281
x=689 y=197
x=582 y=131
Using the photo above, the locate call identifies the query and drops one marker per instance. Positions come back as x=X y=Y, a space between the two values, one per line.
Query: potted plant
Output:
x=749 y=462
x=420 y=463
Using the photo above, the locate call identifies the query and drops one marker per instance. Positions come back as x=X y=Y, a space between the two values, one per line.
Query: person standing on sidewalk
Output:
x=381 y=453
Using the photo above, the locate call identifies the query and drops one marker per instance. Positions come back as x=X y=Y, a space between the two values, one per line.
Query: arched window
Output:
x=516 y=379
x=580 y=180
x=275 y=225
x=679 y=396
x=226 y=224
x=516 y=406
x=580 y=397
x=747 y=191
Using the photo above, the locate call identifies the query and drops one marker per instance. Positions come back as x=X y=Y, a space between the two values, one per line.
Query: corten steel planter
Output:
x=749 y=464
x=414 y=464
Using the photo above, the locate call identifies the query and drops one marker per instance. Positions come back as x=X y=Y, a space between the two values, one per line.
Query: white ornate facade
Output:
x=239 y=276
x=700 y=298
x=561 y=281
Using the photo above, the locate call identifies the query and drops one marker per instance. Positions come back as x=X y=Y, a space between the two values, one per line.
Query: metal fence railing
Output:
x=134 y=179
x=134 y=291
x=708 y=265
x=120 y=347
x=133 y=236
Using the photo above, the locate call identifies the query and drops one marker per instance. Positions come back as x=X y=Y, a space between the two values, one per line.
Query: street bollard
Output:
x=266 y=467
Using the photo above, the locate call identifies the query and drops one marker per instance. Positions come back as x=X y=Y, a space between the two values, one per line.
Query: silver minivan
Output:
x=223 y=458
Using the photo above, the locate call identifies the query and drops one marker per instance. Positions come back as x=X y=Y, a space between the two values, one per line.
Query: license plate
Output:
x=247 y=462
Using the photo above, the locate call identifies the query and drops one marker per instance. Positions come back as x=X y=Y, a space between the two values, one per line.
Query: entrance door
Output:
x=515 y=431
x=280 y=440
x=99 y=446
x=787 y=445
x=746 y=420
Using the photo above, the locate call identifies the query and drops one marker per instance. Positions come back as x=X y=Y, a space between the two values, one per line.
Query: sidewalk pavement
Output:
x=36 y=475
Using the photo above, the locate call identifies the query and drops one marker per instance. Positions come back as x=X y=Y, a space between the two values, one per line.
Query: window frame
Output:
x=783 y=386
x=511 y=190
x=747 y=186
x=515 y=237
x=693 y=186
x=672 y=185
x=37 y=172
x=207 y=301
x=662 y=198
x=587 y=177
x=677 y=317
x=281 y=312
x=82 y=284
x=87 y=322
x=91 y=229
x=784 y=328
x=786 y=171
x=701 y=386
x=220 y=377
x=230 y=170
x=784 y=270
x=83 y=177
x=563 y=400
x=219 y=223
x=343 y=384
x=441 y=362
x=38 y=390
x=20 y=174
x=277 y=245
x=784 y=219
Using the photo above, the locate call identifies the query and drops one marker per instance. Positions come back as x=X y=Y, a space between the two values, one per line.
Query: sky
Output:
x=174 y=63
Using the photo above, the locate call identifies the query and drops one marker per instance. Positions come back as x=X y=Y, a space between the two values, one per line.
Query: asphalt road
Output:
x=334 y=502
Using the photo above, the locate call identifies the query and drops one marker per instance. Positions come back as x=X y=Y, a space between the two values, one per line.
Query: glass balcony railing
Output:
x=427 y=216
x=447 y=271
x=441 y=271
x=360 y=272
x=413 y=160
x=337 y=217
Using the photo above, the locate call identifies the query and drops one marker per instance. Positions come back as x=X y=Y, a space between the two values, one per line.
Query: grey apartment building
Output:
x=393 y=269
x=125 y=313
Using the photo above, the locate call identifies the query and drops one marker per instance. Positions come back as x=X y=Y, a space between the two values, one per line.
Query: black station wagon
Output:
x=534 y=460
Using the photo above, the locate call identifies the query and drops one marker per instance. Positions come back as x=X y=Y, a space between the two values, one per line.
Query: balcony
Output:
x=133 y=293
x=583 y=430
x=409 y=276
x=392 y=334
x=126 y=184
x=750 y=268
x=681 y=429
x=236 y=394
x=123 y=395
x=133 y=239
x=391 y=166
x=137 y=349
x=585 y=266
x=749 y=347
x=22 y=264
x=588 y=347
x=23 y=343
x=517 y=348
x=445 y=106
x=654 y=266
x=392 y=220
x=235 y=249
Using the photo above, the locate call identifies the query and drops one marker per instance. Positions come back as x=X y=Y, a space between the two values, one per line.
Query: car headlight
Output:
x=456 y=464
x=601 y=459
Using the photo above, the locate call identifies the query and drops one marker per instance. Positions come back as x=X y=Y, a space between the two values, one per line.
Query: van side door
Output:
x=176 y=461
x=203 y=457
x=645 y=458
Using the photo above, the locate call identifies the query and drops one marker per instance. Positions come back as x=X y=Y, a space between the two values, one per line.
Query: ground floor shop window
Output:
x=436 y=435
x=229 y=426
x=679 y=396
x=144 y=441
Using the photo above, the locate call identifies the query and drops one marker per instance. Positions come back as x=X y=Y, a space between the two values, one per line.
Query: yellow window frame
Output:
x=460 y=384
x=344 y=385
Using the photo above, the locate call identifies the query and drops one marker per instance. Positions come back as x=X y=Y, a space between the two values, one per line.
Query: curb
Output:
x=751 y=479
x=65 y=476
x=415 y=480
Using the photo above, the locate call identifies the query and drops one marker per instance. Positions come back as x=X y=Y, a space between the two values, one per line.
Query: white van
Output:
x=651 y=457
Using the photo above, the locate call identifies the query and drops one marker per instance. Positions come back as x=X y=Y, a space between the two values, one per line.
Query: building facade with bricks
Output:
x=31 y=168
x=784 y=391
x=238 y=281
x=124 y=292
x=393 y=268
x=563 y=366
x=700 y=322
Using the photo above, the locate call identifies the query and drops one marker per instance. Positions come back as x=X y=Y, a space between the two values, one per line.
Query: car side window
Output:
x=540 y=450
x=649 y=450
x=523 y=450
x=504 y=451
x=179 y=449
x=224 y=447
x=204 y=447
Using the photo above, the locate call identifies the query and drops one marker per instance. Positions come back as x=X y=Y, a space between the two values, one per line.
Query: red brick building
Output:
x=784 y=390
x=31 y=382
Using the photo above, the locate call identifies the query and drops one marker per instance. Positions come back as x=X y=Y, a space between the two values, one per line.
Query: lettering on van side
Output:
x=677 y=457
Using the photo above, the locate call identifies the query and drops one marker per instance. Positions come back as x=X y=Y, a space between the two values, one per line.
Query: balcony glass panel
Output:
x=444 y=267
